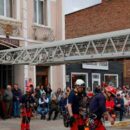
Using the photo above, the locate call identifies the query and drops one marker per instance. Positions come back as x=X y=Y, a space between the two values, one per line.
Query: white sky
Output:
x=75 y=5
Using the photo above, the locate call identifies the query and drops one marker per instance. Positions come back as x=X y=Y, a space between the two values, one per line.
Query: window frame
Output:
x=93 y=79
x=5 y=10
x=117 y=82
x=15 y=16
x=37 y=14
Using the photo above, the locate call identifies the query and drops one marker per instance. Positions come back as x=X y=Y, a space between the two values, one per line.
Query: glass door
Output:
x=96 y=81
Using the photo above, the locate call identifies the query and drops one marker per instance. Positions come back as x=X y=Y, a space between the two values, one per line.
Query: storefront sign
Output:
x=96 y=65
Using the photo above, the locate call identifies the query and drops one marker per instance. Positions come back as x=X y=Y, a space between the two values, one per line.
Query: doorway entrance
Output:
x=42 y=75
x=6 y=75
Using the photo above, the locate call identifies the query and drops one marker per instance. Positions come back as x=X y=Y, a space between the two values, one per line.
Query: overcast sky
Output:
x=75 y=5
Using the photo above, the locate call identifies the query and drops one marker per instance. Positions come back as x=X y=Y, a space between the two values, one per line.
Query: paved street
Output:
x=36 y=124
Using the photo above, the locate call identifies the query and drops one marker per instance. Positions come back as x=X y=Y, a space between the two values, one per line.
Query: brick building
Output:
x=110 y=15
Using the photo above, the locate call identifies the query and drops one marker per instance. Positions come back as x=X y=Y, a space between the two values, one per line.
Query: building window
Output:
x=40 y=10
x=8 y=8
x=111 y=79
x=75 y=76
x=96 y=80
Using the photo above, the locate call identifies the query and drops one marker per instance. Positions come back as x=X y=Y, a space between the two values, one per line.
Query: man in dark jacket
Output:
x=74 y=104
x=8 y=99
x=16 y=100
x=97 y=108
x=119 y=105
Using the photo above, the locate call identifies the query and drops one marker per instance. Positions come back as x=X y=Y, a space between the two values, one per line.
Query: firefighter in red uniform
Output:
x=73 y=104
x=27 y=103
x=97 y=108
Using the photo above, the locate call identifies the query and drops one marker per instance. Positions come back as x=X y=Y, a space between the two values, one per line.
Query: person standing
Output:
x=48 y=91
x=73 y=104
x=16 y=100
x=27 y=104
x=119 y=105
x=97 y=108
x=8 y=99
x=42 y=89
x=29 y=82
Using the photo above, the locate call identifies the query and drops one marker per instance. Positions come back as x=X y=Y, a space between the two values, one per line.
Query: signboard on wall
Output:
x=96 y=65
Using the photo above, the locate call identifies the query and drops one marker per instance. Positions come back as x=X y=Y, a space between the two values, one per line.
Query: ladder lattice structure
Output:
x=112 y=45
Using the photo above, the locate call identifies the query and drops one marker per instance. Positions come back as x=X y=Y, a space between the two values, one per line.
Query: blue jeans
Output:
x=42 y=111
x=16 y=108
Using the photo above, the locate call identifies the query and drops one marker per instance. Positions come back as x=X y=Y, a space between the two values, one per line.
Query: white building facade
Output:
x=28 y=22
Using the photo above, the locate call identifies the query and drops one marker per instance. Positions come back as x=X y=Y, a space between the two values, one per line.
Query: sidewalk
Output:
x=37 y=124
x=119 y=124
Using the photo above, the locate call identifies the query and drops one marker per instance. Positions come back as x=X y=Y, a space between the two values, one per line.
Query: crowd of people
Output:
x=87 y=109
x=46 y=101
x=73 y=104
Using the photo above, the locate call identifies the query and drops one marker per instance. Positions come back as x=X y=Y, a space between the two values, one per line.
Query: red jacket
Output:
x=110 y=104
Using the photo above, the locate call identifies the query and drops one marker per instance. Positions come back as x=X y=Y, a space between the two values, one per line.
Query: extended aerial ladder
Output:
x=112 y=45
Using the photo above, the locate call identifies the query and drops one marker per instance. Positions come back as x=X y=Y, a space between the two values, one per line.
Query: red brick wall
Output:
x=108 y=16
x=126 y=73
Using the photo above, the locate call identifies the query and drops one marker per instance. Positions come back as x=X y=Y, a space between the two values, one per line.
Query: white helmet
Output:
x=79 y=82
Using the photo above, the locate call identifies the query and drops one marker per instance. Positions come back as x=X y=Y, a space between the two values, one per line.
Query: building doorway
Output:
x=42 y=75
x=6 y=75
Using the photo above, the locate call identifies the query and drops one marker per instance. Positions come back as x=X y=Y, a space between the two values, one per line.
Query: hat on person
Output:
x=111 y=90
x=79 y=82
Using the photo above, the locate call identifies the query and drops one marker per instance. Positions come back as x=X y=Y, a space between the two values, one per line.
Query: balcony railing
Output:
x=10 y=27
x=43 y=33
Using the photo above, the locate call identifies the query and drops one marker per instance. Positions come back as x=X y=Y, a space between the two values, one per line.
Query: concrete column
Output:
x=18 y=10
x=48 y=13
x=25 y=36
x=63 y=38
x=64 y=76
x=34 y=79
x=51 y=77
